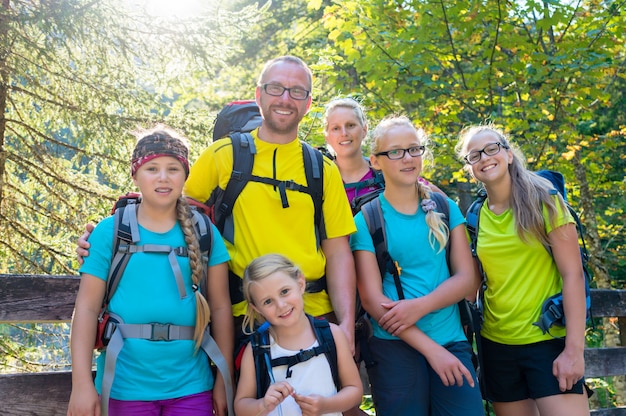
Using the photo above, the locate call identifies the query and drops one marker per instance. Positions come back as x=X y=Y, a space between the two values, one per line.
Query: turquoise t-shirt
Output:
x=147 y=293
x=423 y=268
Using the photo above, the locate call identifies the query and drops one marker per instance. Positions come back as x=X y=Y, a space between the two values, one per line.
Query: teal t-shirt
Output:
x=147 y=293
x=423 y=267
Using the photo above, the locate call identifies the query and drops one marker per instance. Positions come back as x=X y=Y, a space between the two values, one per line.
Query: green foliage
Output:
x=549 y=73
x=77 y=77
x=34 y=347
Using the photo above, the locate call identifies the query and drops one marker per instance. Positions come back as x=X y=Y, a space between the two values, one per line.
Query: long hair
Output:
x=530 y=193
x=437 y=229
x=257 y=270
x=198 y=268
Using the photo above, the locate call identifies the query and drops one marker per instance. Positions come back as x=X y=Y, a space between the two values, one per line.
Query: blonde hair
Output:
x=437 y=229
x=346 y=102
x=257 y=270
x=530 y=193
x=198 y=268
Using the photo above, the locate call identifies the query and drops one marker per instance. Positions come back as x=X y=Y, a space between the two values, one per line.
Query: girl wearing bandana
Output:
x=155 y=376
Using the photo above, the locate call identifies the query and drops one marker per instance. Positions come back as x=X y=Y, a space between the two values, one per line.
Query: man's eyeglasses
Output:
x=490 y=150
x=277 y=90
x=396 y=154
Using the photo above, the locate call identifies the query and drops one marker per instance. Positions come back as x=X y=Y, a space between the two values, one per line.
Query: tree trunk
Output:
x=610 y=326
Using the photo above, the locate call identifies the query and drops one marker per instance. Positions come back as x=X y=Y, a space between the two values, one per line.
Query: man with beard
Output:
x=262 y=223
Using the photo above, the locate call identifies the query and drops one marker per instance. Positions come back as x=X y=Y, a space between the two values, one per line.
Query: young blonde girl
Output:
x=423 y=360
x=273 y=287
x=527 y=372
x=154 y=377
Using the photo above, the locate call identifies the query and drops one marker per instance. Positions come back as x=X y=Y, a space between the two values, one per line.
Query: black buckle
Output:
x=306 y=355
x=291 y=185
x=160 y=332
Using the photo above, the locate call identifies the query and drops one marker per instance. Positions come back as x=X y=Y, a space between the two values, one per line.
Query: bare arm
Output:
x=246 y=403
x=446 y=365
x=84 y=398
x=341 y=281
x=221 y=328
x=463 y=280
x=569 y=366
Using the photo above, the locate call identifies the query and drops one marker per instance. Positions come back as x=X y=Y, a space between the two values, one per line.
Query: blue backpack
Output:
x=552 y=309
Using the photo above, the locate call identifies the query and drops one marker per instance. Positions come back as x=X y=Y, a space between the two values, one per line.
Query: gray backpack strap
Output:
x=212 y=350
x=130 y=218
x=172 y=252
x=177 y=274
x=151 y=332
x=113 y=351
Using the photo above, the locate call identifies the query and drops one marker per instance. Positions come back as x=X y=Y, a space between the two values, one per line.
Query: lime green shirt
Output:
x=520 y=277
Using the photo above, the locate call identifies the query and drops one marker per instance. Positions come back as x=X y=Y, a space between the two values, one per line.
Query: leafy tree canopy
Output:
x=76 y=77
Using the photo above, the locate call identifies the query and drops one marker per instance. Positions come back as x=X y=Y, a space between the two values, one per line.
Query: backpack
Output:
x=237 y=120
x=111 y=329
x=377 y=181
x=373 y=216
x=552 y=309
x=263 y=362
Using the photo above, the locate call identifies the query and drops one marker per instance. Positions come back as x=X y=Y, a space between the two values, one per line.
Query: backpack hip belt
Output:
x=158 y=332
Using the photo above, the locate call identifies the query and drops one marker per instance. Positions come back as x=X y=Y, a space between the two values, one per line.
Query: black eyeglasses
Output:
x=277 y=90
x=490 y=150
x=396 y=154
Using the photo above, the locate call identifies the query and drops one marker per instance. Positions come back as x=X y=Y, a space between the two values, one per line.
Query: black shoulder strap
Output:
x=243 y=160
x=324 y=336
x=263 y=360
x=373 y=216
x=472 y=217
x=377 y=180
x=314 y=172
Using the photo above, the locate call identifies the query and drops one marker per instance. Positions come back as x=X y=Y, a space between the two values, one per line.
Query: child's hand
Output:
x=275 y=395
x=449 y=368
x=310 y=405
x=400 y=315
x=84 y=401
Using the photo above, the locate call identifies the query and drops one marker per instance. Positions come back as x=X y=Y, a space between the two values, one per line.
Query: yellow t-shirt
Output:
x=520 y=277
x=262 y=225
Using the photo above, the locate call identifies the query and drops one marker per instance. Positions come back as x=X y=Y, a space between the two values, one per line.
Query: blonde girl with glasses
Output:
x=345 y=131
x=527 y=372
x=422 y=357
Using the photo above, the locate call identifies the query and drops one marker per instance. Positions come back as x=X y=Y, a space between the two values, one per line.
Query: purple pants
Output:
x=200 y=404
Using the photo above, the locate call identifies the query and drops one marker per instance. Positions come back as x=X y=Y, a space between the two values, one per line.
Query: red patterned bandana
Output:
x=156 y=145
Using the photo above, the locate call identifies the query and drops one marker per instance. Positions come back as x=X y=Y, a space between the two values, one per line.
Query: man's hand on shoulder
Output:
x=82 y=248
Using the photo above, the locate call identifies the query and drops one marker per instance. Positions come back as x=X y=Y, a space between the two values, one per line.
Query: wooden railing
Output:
x=41 y=298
